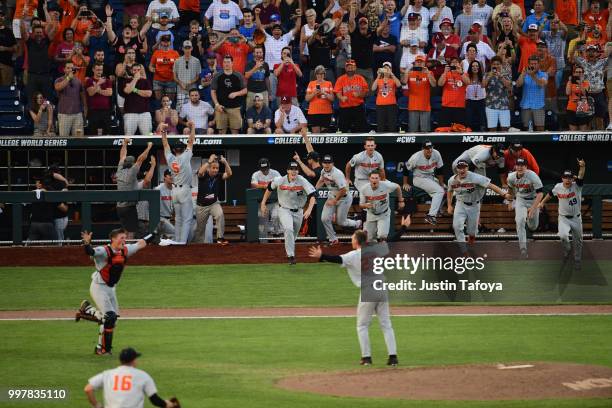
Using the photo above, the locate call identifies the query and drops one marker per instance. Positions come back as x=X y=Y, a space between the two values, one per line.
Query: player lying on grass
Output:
x=365 y=310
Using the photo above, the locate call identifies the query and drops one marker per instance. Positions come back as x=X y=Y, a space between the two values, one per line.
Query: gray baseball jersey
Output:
x=262 y=180
x=127 y=181
x=525 y=187
x=352 y=262
x=142 y=207
x=124 y=386
x=570 y=199
x=180 y=166
x=423 y=167
x=292 y=194
x=469 y=189
x=480 y=156
x=379 y=197
x=334 y=180
x=165 y=200
x=100 y=258
x=364 y=164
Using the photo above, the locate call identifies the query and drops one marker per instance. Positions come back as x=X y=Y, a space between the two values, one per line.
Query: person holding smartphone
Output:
x=577 y=88
x=385 y=86
x=418 y=84
x=533 y=81
x=454 y=85
x=320 y=95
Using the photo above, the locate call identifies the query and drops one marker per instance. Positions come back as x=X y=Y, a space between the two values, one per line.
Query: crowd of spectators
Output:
x=263 y=66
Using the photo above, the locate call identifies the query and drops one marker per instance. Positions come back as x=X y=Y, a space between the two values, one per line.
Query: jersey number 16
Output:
x=122 y=383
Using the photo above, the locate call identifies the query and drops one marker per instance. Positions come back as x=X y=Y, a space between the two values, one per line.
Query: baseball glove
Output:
x=176 y=402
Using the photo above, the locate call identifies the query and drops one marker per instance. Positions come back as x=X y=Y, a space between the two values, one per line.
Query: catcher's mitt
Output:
x=176 y=402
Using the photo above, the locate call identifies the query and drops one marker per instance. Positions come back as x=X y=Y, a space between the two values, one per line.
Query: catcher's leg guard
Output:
x=105 y=338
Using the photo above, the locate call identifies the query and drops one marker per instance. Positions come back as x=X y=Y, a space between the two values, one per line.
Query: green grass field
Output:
x=235 y=362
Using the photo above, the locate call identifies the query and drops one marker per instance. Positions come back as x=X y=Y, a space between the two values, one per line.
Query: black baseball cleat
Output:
x=392 y=361
x=291 y=260
x=431 y=219
x=366 y=361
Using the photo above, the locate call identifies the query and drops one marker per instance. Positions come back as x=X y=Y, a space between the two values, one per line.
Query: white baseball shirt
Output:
x=180 y=166
x=470 y=188
x=364 y=164
x=570 y=199
x=124 y=387
x=423 y=167
x=334 y=181
x=525 y=187
x=292 y=194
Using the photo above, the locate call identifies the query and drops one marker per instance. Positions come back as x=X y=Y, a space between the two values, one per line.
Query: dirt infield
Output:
x=515 y=381
x=247 y=253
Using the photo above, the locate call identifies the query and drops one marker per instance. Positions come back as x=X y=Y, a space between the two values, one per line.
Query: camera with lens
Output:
x=417 y=69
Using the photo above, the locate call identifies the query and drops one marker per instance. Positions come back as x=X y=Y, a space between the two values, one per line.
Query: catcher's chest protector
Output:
x=111 y=273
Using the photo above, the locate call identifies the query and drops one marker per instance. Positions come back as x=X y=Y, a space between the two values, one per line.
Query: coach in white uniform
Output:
x=426 y=175
x=339 y=199
x=527 y=187
x=374 y=197
x=569 y=193
x=182 y=174
x=468 y=188
x=268 y=224
x=293 y=191
x=125 y=386
x=364 y=163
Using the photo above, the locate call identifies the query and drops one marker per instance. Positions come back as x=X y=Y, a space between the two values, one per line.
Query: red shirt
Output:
x=510 y=160
x=287 y=81
x=238 y=51
x=453 y=93
x=528 y=48
x=98 y=102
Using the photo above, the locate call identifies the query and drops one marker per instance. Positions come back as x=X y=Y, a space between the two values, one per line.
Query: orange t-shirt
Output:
x=32 y=5
x=576 y=93
x=567 y=11
x=600 y=19
x=80 y=66
x=68 y=14
x=528 y=48
x=521 y=4
x=319 y=105
x=419 y=92
x=81 y=29
x=239 y=52
x=163 y=61
x=350 y=87
x=453 y=93
x=191 y=5
x=385 y=93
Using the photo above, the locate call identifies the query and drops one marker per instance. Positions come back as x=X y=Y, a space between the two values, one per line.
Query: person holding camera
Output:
x=385 y=86
x=576 y=89
x=498 y=86
x=72 y=103
x=320 y=95
x=236 y=45
x=41 y=112
x=286 y=73
x=418 y=84
x=593 y=65
x=320 y=46
x=82 y=23
x=454 y=84
x=533 y=81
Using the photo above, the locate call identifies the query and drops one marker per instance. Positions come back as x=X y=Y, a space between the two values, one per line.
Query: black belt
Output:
x=291 y=209
x=470 y=204
x=167 y=218
x=571 y=216
x=381 y=213
x=180 y=185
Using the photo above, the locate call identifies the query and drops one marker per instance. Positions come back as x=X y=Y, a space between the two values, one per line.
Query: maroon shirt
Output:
x=135 y=103
x=98 y=101
x=70 y=97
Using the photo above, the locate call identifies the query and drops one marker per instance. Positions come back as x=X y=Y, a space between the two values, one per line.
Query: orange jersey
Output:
x=80 y=66
x=319 y=105
x=190 y=5
x=510 y=160
x=239 y=52
x=30 y=7
x=163 y=61
x=81 y=29
x=576 y=93
x=385 y=93
x=351 y=87
x=567 y=11
x=528 y=48
x=453 y=93
x=418 y=92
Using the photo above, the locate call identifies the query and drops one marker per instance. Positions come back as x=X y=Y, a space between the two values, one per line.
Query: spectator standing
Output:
x=498 y=86
x=483 y=12
x=593 y=66
x=441 y=51
x=351 y=89
x=511 y=9
x=548 y=64
x=393 y=18
x=419 y=82
x=198 y=112
x=137 y=93
x=411 y=34
x=409 y=57
x=439 y=13
x=258 y=78
x=320 y=95
x=418 y=9
x=289 y=118
x=167 y=115
x=386 y=86
x=64 y=49
x=259 y=116
x=206 y=76
x=41 y=217
x=80 y=62
x=197 y=40
x=162 y=66
x=82 y=23
x=287 y=10
x=265 y=11
x=320 y=47
x=454 y=83
x=127 y=40
x=343 y=49
x=306 y=32
x=277 y=42
x=228 y=90
x=8 y=48
x=451 y=39
x=384 y=46
x=539 y=17
x=595 y=16
x=158 y=7
x=576 y=89
x=362 y=49
x=225 y=15
x=186 y=71
x=189 y=10
x=484 y=51
x=465 y=20
x=207 y=205
x=533 y=81
x=287 y=73
x=236 y=45
x=507 y=39
x=248 y=27
x=99 y=58
x=99 y=94
x=528 y=45
x=556 y=41
x=123 y=71
x=41 y=112
x=475 y=95
x=72 y=103
x=567 y=11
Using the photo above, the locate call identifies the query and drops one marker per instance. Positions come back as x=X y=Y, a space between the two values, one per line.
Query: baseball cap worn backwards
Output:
x=462 y=163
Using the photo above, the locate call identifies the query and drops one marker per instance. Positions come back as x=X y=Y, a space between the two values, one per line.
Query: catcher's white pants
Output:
x=521 y=209
x=435 y=191
x=183 y=210
x=365 y=311
x=341 y=210
x=573 y=226
x=377 y=226
x=291 y=222
x=104 y=297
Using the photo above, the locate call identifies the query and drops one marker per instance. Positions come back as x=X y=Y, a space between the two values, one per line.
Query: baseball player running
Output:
x=364 y=163
x=182 y=174
x=125 y=386
x=261 y=179
x=527 y=187
x=482 y=156
x=338 y=202
x=468 y=188
x=293 y=191
x=427 y=176
x=365 y=310
x=569 y=193
x=110 y=261
x=374 y=197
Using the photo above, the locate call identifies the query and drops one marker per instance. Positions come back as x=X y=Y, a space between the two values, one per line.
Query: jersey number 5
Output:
x=122 y=383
